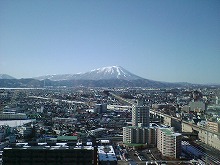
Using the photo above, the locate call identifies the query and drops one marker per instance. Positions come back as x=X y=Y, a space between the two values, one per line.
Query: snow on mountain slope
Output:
x=112 y=72
x=5 y=76
x=105 y=73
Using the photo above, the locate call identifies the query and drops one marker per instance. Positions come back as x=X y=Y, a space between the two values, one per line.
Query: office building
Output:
x=169 y=142
x=48 y=154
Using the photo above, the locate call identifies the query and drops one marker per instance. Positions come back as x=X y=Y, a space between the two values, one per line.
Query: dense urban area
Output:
x=110 y=126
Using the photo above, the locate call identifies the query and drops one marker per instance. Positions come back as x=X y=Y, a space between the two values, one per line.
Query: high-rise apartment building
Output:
x=139 y=135
x=169 y=142
x=140 y=115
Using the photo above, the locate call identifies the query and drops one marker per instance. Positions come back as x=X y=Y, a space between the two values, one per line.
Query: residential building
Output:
x=169 y=142
x=140 y=115
x=139 y=135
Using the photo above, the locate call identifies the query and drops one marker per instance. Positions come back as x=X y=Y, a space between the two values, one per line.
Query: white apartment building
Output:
x=169 y=142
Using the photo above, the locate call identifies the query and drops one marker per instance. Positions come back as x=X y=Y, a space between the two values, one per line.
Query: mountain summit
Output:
x=111 y=72
x=105 y=73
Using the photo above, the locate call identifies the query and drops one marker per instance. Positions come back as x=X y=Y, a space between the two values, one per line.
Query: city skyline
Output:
x=159 y=40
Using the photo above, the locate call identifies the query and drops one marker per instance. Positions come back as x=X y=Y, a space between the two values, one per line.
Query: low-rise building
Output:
x=13 y=116
x=213 y=126
x=210 y=138
x=48 y=154
x=106 y=155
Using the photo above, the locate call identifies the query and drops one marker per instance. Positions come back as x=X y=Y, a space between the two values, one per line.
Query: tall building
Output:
x=139 y=135
x=217 y=100
x=169 y=142
x=100 y=108
x=139 y=132
x=140 y=115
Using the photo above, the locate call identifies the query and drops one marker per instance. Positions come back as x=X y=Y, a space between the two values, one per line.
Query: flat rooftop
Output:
x=169 y=132
x=106 y=153
x=50 y=146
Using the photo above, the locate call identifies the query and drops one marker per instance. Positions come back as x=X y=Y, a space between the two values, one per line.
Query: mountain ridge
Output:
x=111 y=72
x=6 y=76
x=112 y=76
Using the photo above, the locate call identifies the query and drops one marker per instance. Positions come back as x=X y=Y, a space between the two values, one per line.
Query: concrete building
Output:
x=205 y=135
x=197 y=106
x=140 y=115
x=139 y=135
x=213 y=126
x=210 y=138
x=13 y=116
x=100 y=108
x=139 y=132
x=217 y=100
x=48 y=154
x=168 y=142
x=106 y=155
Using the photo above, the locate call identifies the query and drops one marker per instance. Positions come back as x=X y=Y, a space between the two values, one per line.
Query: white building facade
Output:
x=169 y=143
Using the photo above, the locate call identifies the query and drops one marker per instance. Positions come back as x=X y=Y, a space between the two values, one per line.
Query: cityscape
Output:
x=113 y=82
x=110 y=126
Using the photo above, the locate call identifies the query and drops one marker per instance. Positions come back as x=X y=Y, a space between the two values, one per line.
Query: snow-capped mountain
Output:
x=5 y=76
x=113 y=76
x=105 y=73
x=112 y=72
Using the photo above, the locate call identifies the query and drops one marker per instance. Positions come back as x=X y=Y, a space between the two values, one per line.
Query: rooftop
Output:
x=67 y=138
x=169 y=132
x=106 y=153
x=50 y=146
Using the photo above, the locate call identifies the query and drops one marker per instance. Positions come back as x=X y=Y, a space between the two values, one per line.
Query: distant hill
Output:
x=5 y=76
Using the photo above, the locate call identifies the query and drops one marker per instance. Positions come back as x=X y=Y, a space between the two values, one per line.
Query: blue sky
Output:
x=164 y=40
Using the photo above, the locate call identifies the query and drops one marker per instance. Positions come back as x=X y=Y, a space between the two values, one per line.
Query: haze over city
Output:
x=172 y=41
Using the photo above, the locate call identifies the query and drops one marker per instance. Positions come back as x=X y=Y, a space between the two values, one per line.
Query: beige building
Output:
x=212 y=139
x=213 y=126
x=169 y=142
x=207 y=136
